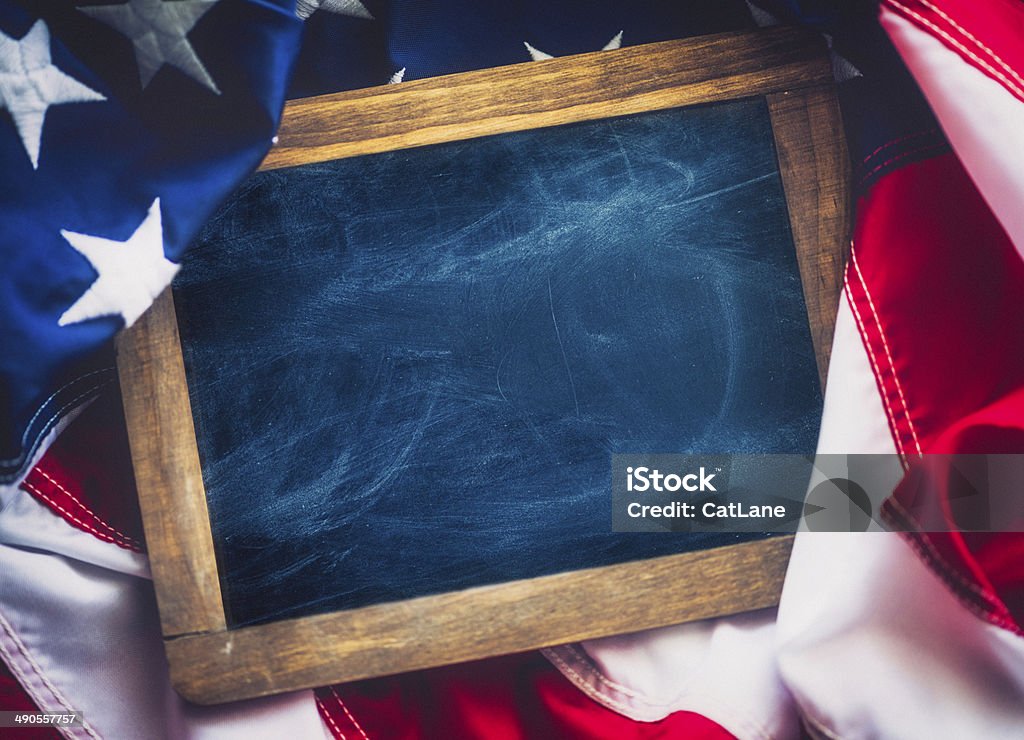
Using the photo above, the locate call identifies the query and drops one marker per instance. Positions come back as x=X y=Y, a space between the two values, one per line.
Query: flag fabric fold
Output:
x=115 y=151
x=124 y=146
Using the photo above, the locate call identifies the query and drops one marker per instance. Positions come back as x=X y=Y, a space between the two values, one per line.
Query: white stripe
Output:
x=981 y=119
x=80 y=630
x=722 y=669
x=871 y=643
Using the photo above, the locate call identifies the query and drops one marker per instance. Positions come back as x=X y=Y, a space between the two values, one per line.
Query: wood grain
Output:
x=210 y=663
x=552 y=92
x=815 y=168
x=478 y=622
x=168 y=476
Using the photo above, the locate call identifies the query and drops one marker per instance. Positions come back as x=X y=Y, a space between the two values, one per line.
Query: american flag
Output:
x=125 y=125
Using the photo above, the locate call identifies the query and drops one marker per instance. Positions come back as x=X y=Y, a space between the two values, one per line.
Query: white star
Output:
x=158 y=30
x=842 y=68
x=537 y=55
x=30 y=83
x=397 y=77
x=131 y=273
x=351 y=8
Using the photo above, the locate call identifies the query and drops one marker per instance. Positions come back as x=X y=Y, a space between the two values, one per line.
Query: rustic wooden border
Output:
x=602 y=84
x=478 y=622
x=815 y=168
x=168 y=476
x=210 y=663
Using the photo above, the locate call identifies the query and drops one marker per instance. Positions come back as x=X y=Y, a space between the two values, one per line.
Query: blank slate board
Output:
x=407 y=370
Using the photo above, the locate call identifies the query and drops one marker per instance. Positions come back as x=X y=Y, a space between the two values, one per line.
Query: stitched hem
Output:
x=960 y=47
x=922 y=152
x=578 y=669
x=885 y=346
x=32 y=679
x=328 y=719
x=879 y=382
x=37 y=428
x=982 y=604
x=900 y=140
x=356 y=725
x=89 y=522
x=816 y=727
x=335 y=719
x=73 y=520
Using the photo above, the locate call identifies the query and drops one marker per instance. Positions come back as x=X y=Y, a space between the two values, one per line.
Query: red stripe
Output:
x=936 y=287
x=13 y=698
x=86 y=476
x=986 y=33
x=508 y=698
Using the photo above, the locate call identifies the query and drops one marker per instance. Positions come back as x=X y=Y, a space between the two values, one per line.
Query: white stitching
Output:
x=751 y=727
x=7 y=630
x=334 y=725
x=995 y=57
x=988 y=67
x=584 y=685
x=117 y=533
x=936 y=146
x=349 y=714
x=76 y=520
x=614 y=685
x=885 y=345
x=899 y=140
x=878 y=373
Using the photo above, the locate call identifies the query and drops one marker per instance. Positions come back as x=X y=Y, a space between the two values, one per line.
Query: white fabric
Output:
x=723 y=669
x=78 y=627
x=981 y=119
x=871 y=643
x=868 y=642
x=27 y=524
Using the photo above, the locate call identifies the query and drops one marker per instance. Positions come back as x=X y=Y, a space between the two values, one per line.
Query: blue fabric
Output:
x=409 y=371
x=889 y=124
x=102 y=164
x=435 y=38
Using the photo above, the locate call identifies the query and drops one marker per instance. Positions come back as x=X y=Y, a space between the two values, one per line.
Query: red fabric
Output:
x=986 y=33
x=936 y=288
x=86 y=476
x=14 y=699
x=506 y=698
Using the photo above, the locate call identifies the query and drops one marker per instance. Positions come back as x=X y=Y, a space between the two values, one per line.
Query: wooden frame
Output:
x=211 y=663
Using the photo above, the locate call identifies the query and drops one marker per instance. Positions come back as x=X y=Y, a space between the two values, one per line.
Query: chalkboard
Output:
x=379 y=412
x=408 y=370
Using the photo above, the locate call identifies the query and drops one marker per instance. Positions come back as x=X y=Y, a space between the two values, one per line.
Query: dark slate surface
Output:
x=408 y=371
